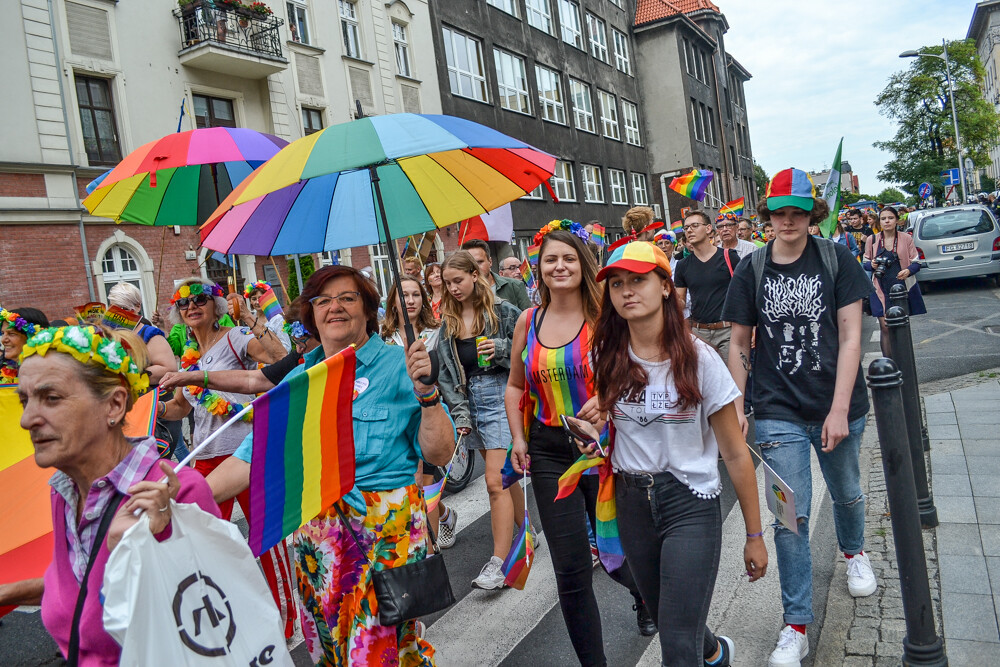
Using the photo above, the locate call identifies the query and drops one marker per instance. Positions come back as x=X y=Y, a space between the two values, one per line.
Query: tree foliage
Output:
x=847 y=198
x=891 y=195
x=308 y=268
x=917 y=99
x=760 y=178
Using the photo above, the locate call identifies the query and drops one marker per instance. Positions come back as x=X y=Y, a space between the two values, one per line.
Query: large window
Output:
x=402 y=47
x=550 y=95
x=97 y=117
x=593 y=185
x=619 y=190
x=630 y=116
x=598 y=37
x=213 y=112
x=609 y=115
x=697 y=121
x=583 y=106
x=349 y=28
x=640 y=197
x=298 y=20
x=622 y=61
x=511 y=81
x=118 y=265
x=466 y=72
x=706 y=111
x=312 y=120
x=539 y=15
x=563 y=183
x=509 y=6
x=569 y=21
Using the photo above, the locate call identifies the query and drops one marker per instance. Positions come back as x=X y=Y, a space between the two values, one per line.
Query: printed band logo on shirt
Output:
x=797 y=303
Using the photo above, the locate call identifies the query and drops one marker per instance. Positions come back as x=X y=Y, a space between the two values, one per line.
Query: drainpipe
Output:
x=69 y=149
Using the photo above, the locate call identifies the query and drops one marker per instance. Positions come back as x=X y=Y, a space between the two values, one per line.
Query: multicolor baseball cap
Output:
x=637 y=257
x=791 y=187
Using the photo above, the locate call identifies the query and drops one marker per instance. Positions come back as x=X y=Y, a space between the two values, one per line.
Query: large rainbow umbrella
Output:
x=181 y=178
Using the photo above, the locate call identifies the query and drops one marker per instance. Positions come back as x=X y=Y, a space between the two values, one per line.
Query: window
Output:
x=583 y=106
x=619 y=191
x=618 y=4
x=630 y=116
x=213 y=112
x=539 y=15
x=562 y=181
x=466 y=73
x=298 y=20
x=609 y=115
x=349 y=28
x=699 y=62
x=402 y=47
x=512 y=82
x=569 y=20
x=509 y=6
x=593 y=186
x=697 y=122
x=639 y=196
x=380 y=264
x=686 y=48
x=534 y=194
x=97 y=117
x=709 y=124
x=550 y=95
x=120 y=265
x=312 y=120
x=598 y=38
x=622 y=61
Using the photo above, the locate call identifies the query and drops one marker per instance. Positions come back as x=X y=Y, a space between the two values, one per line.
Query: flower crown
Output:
x=87 y=345
x=262 y=285
x=17 y=322
x=727 y=216
x=574 y=228
x=194 y=289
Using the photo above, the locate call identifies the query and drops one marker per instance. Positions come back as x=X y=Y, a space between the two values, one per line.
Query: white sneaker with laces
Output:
x=860 y=577
x=792 y=647
x=446 y=529
x=491 y=578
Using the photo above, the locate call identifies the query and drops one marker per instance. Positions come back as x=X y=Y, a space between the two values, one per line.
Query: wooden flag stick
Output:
x=280 y=281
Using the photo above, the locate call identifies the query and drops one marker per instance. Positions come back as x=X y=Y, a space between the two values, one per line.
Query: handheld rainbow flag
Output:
x=432 y=493
x=303 y=454
x=677 y=226
x=119 y=318
x=693 y=185
x=598 y=236
x=517 y=565
x=533 y=253
x=735 y=207
x=269 y=304
x=526 y=275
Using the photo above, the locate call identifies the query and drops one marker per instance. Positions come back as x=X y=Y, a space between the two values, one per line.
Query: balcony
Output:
x=230 y=39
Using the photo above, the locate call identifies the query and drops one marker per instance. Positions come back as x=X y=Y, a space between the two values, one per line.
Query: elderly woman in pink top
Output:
x=76 y=385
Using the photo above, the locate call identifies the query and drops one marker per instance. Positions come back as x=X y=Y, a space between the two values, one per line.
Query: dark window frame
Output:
x=88 y=106
x=212 y=121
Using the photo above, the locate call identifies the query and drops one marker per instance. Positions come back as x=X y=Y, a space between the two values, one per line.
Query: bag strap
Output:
x=364 y=554
x=729 y=262
x=757 y=260
x=73 y=654
x=238 y=360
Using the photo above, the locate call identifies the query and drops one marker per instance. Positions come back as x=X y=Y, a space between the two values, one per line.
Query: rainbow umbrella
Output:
x=181 y=178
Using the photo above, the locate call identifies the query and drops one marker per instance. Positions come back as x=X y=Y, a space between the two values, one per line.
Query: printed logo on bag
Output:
x=203 y=615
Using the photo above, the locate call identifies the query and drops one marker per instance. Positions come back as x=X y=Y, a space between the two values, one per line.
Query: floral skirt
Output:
x=339 y=611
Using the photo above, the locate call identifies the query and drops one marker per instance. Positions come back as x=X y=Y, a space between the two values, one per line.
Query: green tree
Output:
x=987 y=183
x=848 y=198
x=890 y=196
x=917 y=100
x=306 y=263
x=760 y=178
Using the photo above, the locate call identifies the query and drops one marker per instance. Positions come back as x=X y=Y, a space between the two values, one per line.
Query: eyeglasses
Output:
x=183 y=302
x=694 y=225
x=344 y=298
x=511 y=267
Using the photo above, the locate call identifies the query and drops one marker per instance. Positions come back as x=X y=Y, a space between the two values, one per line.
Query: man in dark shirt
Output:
x=803 y=295
x=511 y=289
x=858 y=227
x=706 y=272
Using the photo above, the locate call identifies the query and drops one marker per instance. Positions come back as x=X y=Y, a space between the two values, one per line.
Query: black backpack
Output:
x=827 y=254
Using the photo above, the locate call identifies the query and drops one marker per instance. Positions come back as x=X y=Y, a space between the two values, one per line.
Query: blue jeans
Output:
x=785 y=446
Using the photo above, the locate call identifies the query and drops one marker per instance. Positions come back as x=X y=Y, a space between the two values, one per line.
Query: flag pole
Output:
x=232 y=420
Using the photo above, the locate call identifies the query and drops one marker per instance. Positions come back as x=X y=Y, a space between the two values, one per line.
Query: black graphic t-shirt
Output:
x=707 y=283
x=795 y=312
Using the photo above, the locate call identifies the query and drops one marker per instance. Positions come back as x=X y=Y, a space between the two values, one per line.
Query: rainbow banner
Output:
x=692 y=185
x=269 y=304
x=90 y=311
x=517 y=565
x=735 y=207
x=432 y=493
x=526 y=275
x=303 y=454
x=119 y=318
x=533 y=253
x=598 y=236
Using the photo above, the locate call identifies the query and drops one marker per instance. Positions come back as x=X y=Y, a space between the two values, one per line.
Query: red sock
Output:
x=850 y=556
x=801 y=629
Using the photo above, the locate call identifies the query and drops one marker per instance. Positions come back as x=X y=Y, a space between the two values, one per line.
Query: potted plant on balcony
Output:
x=189 y=20
x=260 y=9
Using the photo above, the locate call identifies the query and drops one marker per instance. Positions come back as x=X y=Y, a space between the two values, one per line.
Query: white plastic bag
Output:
x=197 y=598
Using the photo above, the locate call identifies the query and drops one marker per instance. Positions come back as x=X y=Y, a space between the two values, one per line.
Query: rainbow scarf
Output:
x=526 y=275
x=735 y=207
x=598 y=236
x=692 y=185
x=517 y=565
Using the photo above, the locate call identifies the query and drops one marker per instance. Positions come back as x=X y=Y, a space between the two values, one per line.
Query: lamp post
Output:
x=951 y=96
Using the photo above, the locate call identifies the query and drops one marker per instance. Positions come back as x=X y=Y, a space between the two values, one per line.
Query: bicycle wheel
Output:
x=462 y=469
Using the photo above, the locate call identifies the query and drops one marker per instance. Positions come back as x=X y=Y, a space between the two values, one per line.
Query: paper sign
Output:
x=90 y=311
x=780 y=499
x=119 y=318
x=660 y=400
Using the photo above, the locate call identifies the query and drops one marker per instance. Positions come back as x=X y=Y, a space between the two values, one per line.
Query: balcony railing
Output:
x=238 y=29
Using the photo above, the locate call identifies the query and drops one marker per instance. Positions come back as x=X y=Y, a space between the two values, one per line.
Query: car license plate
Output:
x=956 y=247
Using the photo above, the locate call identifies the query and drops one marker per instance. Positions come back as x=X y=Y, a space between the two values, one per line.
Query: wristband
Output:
x=433 y=393
x=205 y=382
x=760 y=534
x=428 y=400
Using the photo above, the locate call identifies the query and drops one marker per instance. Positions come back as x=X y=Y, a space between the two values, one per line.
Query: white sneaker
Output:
x=491 y=578
x=792 y=647
x=860 y=577
x=446 y=529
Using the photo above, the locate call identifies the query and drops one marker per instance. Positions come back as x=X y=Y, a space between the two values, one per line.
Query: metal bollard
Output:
x=921 y=646
x=899 y=297
x=902 y=355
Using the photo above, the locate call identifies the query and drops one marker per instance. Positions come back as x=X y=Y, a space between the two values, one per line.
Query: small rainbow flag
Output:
x=517 y=565
x=432 y=493
x=269 y=304
x=598 y=235
x=119 y=318
x=533 y=253
x=570 y=478
x=303 y=454
x=692 y=185
x=735 y=207
x=526 y=275
x=677 y=226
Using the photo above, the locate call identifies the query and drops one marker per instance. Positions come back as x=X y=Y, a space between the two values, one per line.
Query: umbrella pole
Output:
x=280 y=281
x=159 y=272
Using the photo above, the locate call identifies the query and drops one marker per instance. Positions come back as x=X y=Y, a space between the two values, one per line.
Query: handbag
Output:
x=409 y=591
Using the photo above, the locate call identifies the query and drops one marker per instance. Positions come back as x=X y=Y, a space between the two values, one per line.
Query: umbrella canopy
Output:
x=317 y=193
x=181 y=178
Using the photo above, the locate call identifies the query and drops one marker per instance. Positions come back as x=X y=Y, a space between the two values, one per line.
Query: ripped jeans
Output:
x=785 y=446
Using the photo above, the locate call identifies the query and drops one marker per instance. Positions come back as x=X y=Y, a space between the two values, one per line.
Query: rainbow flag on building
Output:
x=598 y=236
x=517 y=565
x=735 y=207
x=533 y=253
x=269 y=304
x=526 y=275
x=692 y=185
x=303 y=454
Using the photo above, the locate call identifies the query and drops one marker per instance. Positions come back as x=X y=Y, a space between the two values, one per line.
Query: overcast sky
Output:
x=817 y=68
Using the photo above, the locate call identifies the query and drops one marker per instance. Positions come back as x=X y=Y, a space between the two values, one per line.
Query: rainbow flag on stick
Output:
x=533 y=253
x=598 y=235
x=269 y=304
x=693 y=185
x=432 y=493
x=119 y=318
x=517 y=565
x=735 y=207
x=526 y=275
x=303 y=454
x=677 y=226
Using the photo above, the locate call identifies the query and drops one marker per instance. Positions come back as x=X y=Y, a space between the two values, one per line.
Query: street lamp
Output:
x=951 y=96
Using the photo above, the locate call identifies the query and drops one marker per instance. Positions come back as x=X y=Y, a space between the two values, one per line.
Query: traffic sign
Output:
x=950 y=176
x=924 y=190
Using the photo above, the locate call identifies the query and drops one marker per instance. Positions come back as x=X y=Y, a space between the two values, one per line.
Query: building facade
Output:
x=984 y=29
x=848 y=179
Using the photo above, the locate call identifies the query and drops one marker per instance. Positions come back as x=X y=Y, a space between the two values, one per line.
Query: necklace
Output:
x=210 y=400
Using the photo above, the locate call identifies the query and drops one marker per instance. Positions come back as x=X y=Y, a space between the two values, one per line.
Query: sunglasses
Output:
x=185 y=301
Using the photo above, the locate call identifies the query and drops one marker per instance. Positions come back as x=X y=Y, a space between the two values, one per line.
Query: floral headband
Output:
x=574 y=228
x=262 y=285
x=87 y=345
x=727 y=216
x=194 y=289
x=298 y=330
x=18 y=323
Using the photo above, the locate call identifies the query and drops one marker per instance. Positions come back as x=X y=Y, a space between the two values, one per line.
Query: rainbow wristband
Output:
x=432 y=398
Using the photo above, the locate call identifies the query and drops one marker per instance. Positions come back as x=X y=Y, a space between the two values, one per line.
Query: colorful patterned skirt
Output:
x=339 y=611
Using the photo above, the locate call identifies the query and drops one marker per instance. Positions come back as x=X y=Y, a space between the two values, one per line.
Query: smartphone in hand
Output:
x=575 y=429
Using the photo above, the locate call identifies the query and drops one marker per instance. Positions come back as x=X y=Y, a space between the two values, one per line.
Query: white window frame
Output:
x=609 y=115
x=292 y=8
x=552 y=107
x=453 y=40
x=630 y=119
x=539 y=15
x=619 y=186
x=622 y=60
x=618 y=4
x=512 y=81
x=401 y=47
x=506 y=6
x=350 y=28
x=640 y=191
x=593 y=184
x=569 y=23
x=537 y=193
x=583 y=114
x=597 y=32
x=563 y=181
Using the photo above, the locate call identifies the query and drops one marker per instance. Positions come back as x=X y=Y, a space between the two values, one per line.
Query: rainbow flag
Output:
x=303 y=454
x=533 y=253
x=432 y=493
x=608 y=541
x=526 y=275
x=598 y=235
x=692 y=185
x=735 y=207
x=517 y=565
x=269 y=304
x=119 y=318
x=567 y=483
x=677 y=226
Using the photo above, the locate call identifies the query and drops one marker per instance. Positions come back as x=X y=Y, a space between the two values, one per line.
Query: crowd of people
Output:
x=656 y=360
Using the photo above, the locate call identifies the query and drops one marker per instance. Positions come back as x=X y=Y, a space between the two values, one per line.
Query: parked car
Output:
x=956 y=242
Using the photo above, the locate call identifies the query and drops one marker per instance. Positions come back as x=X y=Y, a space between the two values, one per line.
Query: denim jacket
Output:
x=452 y=382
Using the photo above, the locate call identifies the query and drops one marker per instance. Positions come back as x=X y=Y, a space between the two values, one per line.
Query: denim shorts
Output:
x=489 y=416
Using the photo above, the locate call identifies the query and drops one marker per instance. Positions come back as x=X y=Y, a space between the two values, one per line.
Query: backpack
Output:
x=827 y=254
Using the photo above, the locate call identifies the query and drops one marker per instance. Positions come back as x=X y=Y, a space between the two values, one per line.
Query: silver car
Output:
x=956 y=242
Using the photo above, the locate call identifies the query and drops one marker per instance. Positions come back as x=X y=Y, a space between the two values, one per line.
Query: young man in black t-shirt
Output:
x=804 y=298
x=706 y=272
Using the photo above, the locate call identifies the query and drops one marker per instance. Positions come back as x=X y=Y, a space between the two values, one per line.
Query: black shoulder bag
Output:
x=410 y=591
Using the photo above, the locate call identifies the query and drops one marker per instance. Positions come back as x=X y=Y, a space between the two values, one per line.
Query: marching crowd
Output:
x=645 y=369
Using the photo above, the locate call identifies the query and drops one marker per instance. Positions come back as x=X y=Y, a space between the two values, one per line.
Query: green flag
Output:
x=831 y=193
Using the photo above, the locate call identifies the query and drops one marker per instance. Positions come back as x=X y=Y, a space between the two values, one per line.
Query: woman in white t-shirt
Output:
x=670 y=399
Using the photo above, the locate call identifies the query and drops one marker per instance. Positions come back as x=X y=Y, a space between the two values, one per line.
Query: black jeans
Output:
x=565 y=524
x=672 y=540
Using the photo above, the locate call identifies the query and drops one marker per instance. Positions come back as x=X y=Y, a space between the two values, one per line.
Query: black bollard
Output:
x=898 y=296
x=921 y=645
x=901 y=345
